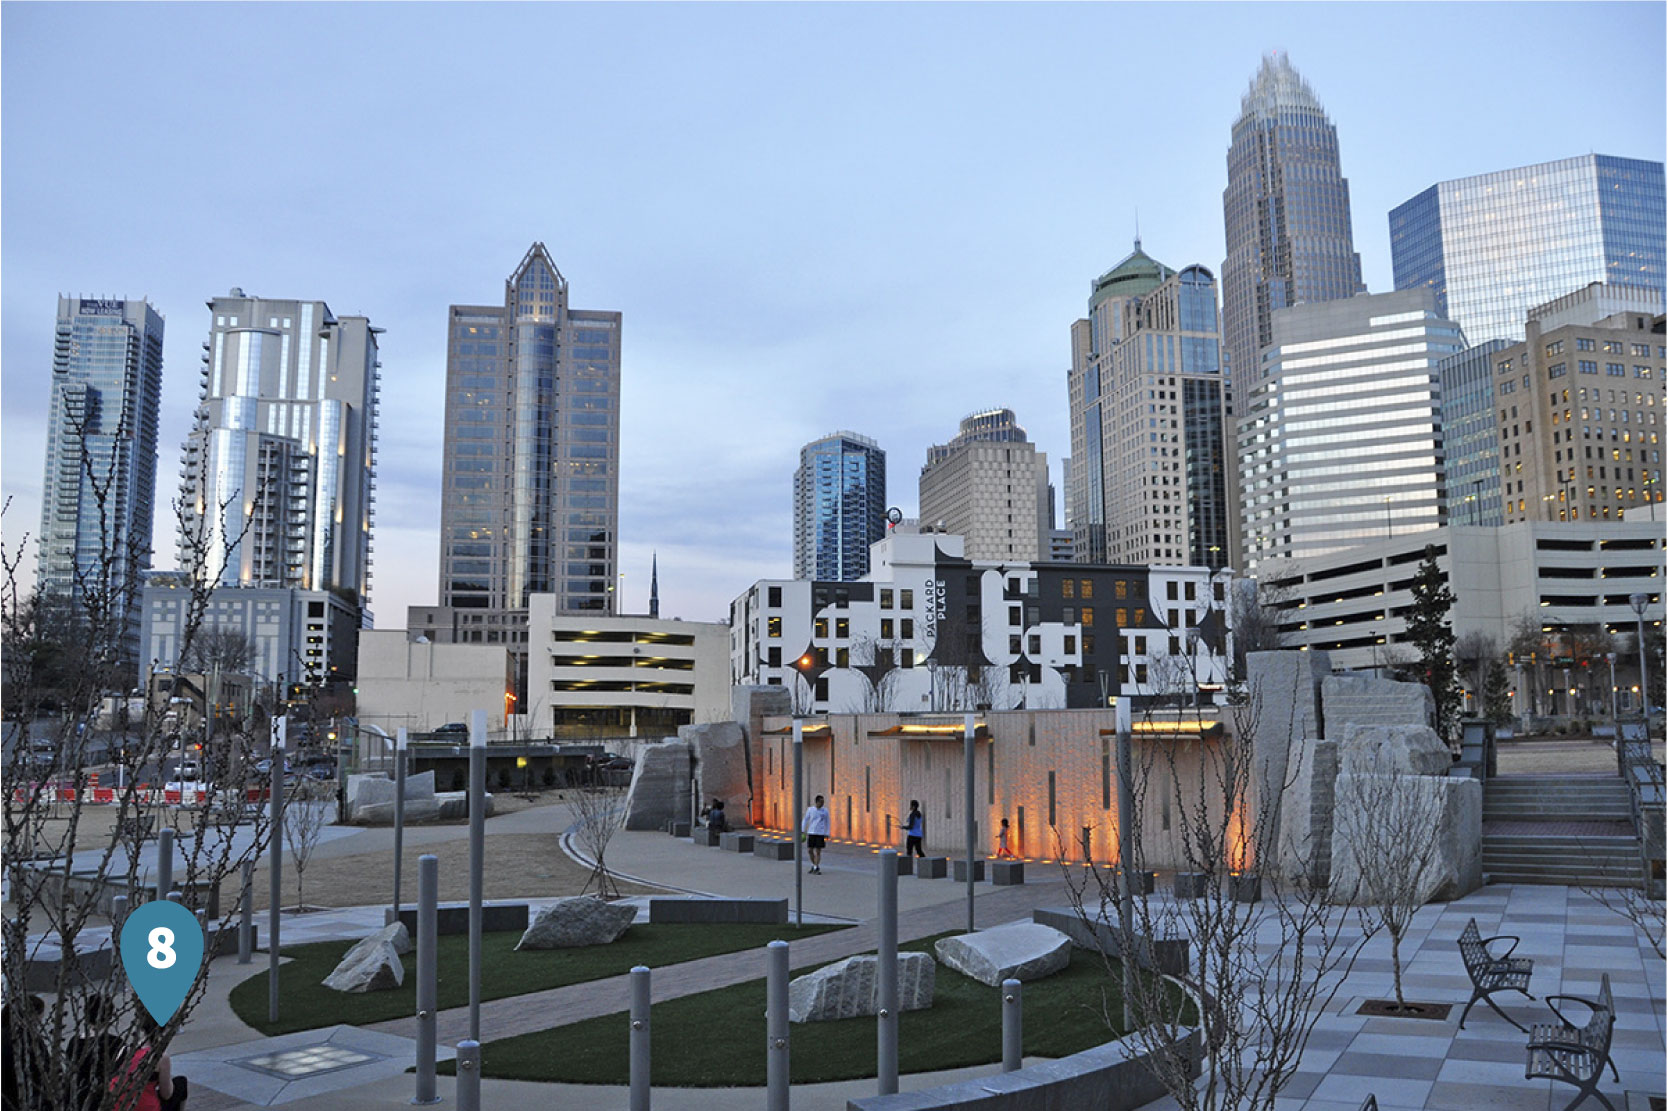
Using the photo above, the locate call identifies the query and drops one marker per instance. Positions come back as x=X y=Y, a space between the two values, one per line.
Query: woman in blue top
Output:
x=915 y=829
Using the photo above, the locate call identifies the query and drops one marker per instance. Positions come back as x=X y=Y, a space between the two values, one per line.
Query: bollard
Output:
x=275 y=862
x=399 y=818
x=164 y=863
x=776 y=1027
x=477 y=858
x=428 y=901
x=469 y=1075
x=798 y=823
x=246 y=916
x=640 y=1039
x=971 y=833
x=886 y=1018
x=177 y=897
x=1013 y=1034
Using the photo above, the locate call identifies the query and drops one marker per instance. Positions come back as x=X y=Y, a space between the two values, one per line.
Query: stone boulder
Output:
x=396 y=935
x=851 y=988
x=1391 y=749
x=659 y=791
x=453 y=806
x=368 y=790
x=720 y=750
x=377 y=968
x=382 y=813
x=419 y=787
x=1017 y=951
x=1378 y=816
x=571 y=923
x=1359 y=700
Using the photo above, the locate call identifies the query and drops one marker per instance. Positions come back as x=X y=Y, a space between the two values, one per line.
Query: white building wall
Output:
x=421 y=686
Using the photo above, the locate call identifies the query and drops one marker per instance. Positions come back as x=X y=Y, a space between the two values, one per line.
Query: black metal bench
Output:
x=1575 y=1054
x=1490 y=974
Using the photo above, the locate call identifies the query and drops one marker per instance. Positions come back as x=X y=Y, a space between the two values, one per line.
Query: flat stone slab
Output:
x=851 y=988
x=573 y=923
x=960 y=870
x=453 y=918
x=1017 y=951
x=932 y=867
x=736 y=842
x=768 y=848
x=906 y=865
x=772 y=912
x=1007 y=873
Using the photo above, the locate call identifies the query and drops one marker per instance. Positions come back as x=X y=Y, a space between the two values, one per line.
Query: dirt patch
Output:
x=1389 y=1008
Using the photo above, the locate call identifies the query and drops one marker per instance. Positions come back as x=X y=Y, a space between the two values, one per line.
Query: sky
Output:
x=812 y=217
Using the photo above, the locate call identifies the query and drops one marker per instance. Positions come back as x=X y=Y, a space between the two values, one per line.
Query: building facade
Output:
x=1470 y=437
x=989 y=485
x=530 y=499
x=1150 y=421
x=839 y=506
x=1285 y=214
x=420 y=685
x=1579 y=414
x=1340 y=440
x=1494 y=245
x=98 y=488
x=931 y=630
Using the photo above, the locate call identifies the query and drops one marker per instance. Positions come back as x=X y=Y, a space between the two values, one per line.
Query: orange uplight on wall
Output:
x=1239 y=846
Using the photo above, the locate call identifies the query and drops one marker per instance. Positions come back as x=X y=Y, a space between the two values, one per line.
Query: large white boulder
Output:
x=1379 y=818
x=377 y=968
x=368 y=790
x=851 y=988
x=570 y=923
x=1392 y=749
x=1017 y=951
x=659 y=791
x=394 y=934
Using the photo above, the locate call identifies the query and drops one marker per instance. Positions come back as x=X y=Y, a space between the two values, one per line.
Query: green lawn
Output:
x=305 y=1003
x=717 y=1038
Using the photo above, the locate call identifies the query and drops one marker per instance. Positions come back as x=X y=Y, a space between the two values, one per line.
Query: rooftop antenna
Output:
x=1137 y=227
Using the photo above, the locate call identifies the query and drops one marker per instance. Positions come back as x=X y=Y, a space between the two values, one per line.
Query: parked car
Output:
x=452 y=728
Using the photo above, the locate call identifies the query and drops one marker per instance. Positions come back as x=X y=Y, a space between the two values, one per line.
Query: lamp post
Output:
x=1610 y=658
x=1638 y=603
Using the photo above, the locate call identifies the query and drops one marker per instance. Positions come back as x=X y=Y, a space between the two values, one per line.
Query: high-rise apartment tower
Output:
x=98 y=491
x=839 y=506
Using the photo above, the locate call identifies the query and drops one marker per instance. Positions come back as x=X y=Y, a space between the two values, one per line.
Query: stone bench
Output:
x=960 y=870
x=736 y=842
x=1110 y=1076
x=708 y=836
x=453 y=918
x=1007 y=873
x=769 y=848
x=932 y=867
x=683 y=910
x=906 y=864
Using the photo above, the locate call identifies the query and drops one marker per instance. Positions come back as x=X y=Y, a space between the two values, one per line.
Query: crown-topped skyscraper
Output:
x=1285 y=214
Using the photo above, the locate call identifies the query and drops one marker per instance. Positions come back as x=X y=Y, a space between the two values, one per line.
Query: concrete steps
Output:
x=1559 y=830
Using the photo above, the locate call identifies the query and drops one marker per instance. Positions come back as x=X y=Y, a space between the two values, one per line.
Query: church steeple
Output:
x=654 y=585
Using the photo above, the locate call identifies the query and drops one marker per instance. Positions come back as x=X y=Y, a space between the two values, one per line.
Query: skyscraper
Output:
x=990 y=485
x=1285 y=214
x=530 y=501
x=839 y=506
x=1341 y=442
x=1470 y=440
x=98 y=491
x=1495 y=245
x=1152 y=458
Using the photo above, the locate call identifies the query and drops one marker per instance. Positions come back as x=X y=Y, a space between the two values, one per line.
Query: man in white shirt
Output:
x=816 y=827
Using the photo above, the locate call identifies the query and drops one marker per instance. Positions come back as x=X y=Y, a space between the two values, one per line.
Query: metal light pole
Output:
x=280 y=730
x=970 y=826
x=1638 y=603
x=887 y=1018
x=399 y=814
x=1610 y=658
x=1126 y=895
x=798 y=822
x=477 y=849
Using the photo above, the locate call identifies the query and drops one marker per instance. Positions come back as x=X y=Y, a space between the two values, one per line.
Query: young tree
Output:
x=1258 y=608
x=1431 y=633
x=306 y=812
x=1473 y=653
x=1497 y=693
x=599 y=813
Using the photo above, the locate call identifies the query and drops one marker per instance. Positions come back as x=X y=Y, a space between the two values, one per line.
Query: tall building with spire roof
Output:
x=654 y=585
x=1285 y=214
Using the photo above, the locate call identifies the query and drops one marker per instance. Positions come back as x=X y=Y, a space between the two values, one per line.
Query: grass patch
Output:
x=305 y=1003
x=717 y=1038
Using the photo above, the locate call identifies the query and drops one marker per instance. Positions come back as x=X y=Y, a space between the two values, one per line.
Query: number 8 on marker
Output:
x=162 y=953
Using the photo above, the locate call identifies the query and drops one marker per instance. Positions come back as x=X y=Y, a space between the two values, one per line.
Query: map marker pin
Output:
x=162 y=951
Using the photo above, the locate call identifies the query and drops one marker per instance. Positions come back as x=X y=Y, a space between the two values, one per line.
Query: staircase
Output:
x=1569 y=830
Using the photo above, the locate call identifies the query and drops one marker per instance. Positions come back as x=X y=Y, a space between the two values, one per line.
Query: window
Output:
x=886 y=628
x=773 y=627
x=1088 y=617
x=775 y=659
x=1583 y=344
x=1071 y=645
x=1586 y=366
x=906 y=658
x=1033 y=645
x=821 y=627
x=1068 y=588
x=1086 y=589
x=1120 y=589
x=842 y=628
x=885 y=597
x=1192 y=592
x=774 y=596
x=1557 y=370
x=1170 y=590
x=906 y=600
x=907 y=628
x=1015 y=615
x=1615 y=370
x=1069 y=615
x=1122 y=617
x=1556 y=347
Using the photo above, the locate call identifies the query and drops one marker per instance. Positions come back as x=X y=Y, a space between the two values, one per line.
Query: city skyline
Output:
x=896 y=237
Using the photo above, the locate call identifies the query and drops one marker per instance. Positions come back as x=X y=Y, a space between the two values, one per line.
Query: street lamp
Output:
x=1637 y=603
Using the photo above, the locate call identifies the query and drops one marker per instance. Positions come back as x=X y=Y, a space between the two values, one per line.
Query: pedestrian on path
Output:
x=815 y=827
x=915 y=830
x=163 y=1091
x=1003 y=850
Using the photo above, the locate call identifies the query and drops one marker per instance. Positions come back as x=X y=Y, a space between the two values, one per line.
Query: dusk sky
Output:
x=812 y=217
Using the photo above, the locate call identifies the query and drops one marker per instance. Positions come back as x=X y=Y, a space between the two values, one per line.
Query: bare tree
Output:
x=599 y=813
x=1387 y=824
x=1648 y=914
x=306 y=812
x=1473 y=652
x=876 y=663
x=1258 y=610
x=219 y=647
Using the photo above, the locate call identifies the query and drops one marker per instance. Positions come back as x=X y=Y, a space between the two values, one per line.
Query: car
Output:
x=452 y=728
x=322 y=772
x=264 y=766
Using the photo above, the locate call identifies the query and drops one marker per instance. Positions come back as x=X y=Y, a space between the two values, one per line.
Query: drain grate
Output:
x=310 y=1060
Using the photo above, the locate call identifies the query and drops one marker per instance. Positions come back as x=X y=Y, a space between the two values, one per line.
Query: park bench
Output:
x=1490 y=974
x=1575 y=1054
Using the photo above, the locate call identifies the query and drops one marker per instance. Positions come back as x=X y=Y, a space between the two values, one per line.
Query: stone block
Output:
x=770 y=848
x=453 y=918
x=453 y=806
x=573 y=923
x=1007 y=873
x=681 y=909
x=1017 y=951
x=736 y=842
x=417 y=812
x=851 y=988
x=959 y=870
x=659 y=791
x=1360 y=700
x=1392 y=750
x=680 y=829
x=1191 y=885
x=1245 y=887
x=1377 y=814
x=1167 y=955
x=368 y=791
x=394 y=934
x=711 y=838
x=932 y=867
x=377 y=968
x=721 y=766
x=906 y=864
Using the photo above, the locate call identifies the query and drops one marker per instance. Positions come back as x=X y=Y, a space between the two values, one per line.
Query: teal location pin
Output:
x=162 y=949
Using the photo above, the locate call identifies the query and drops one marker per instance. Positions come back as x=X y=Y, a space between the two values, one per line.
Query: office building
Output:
x=530 y=483
x=1285 y=214
x=989 y=485
x=98 y=489
x=839 y=506
x=930 y=630
x=1340 y=440
x=1151 y=446
x=1579 y=412
x=1470 y=438
x=1494 y=245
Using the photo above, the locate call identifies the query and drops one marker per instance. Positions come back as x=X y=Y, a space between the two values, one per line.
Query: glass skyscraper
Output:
x=530 y=501
x=1470 y=439
x=1285 y=214
x=99 y=488
x=839 y=507
x=1495 y=245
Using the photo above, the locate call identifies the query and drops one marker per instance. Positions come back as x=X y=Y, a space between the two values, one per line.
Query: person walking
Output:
x=163 y=1091
x=816 y=826
x=1003 y=850
x=915 y=830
